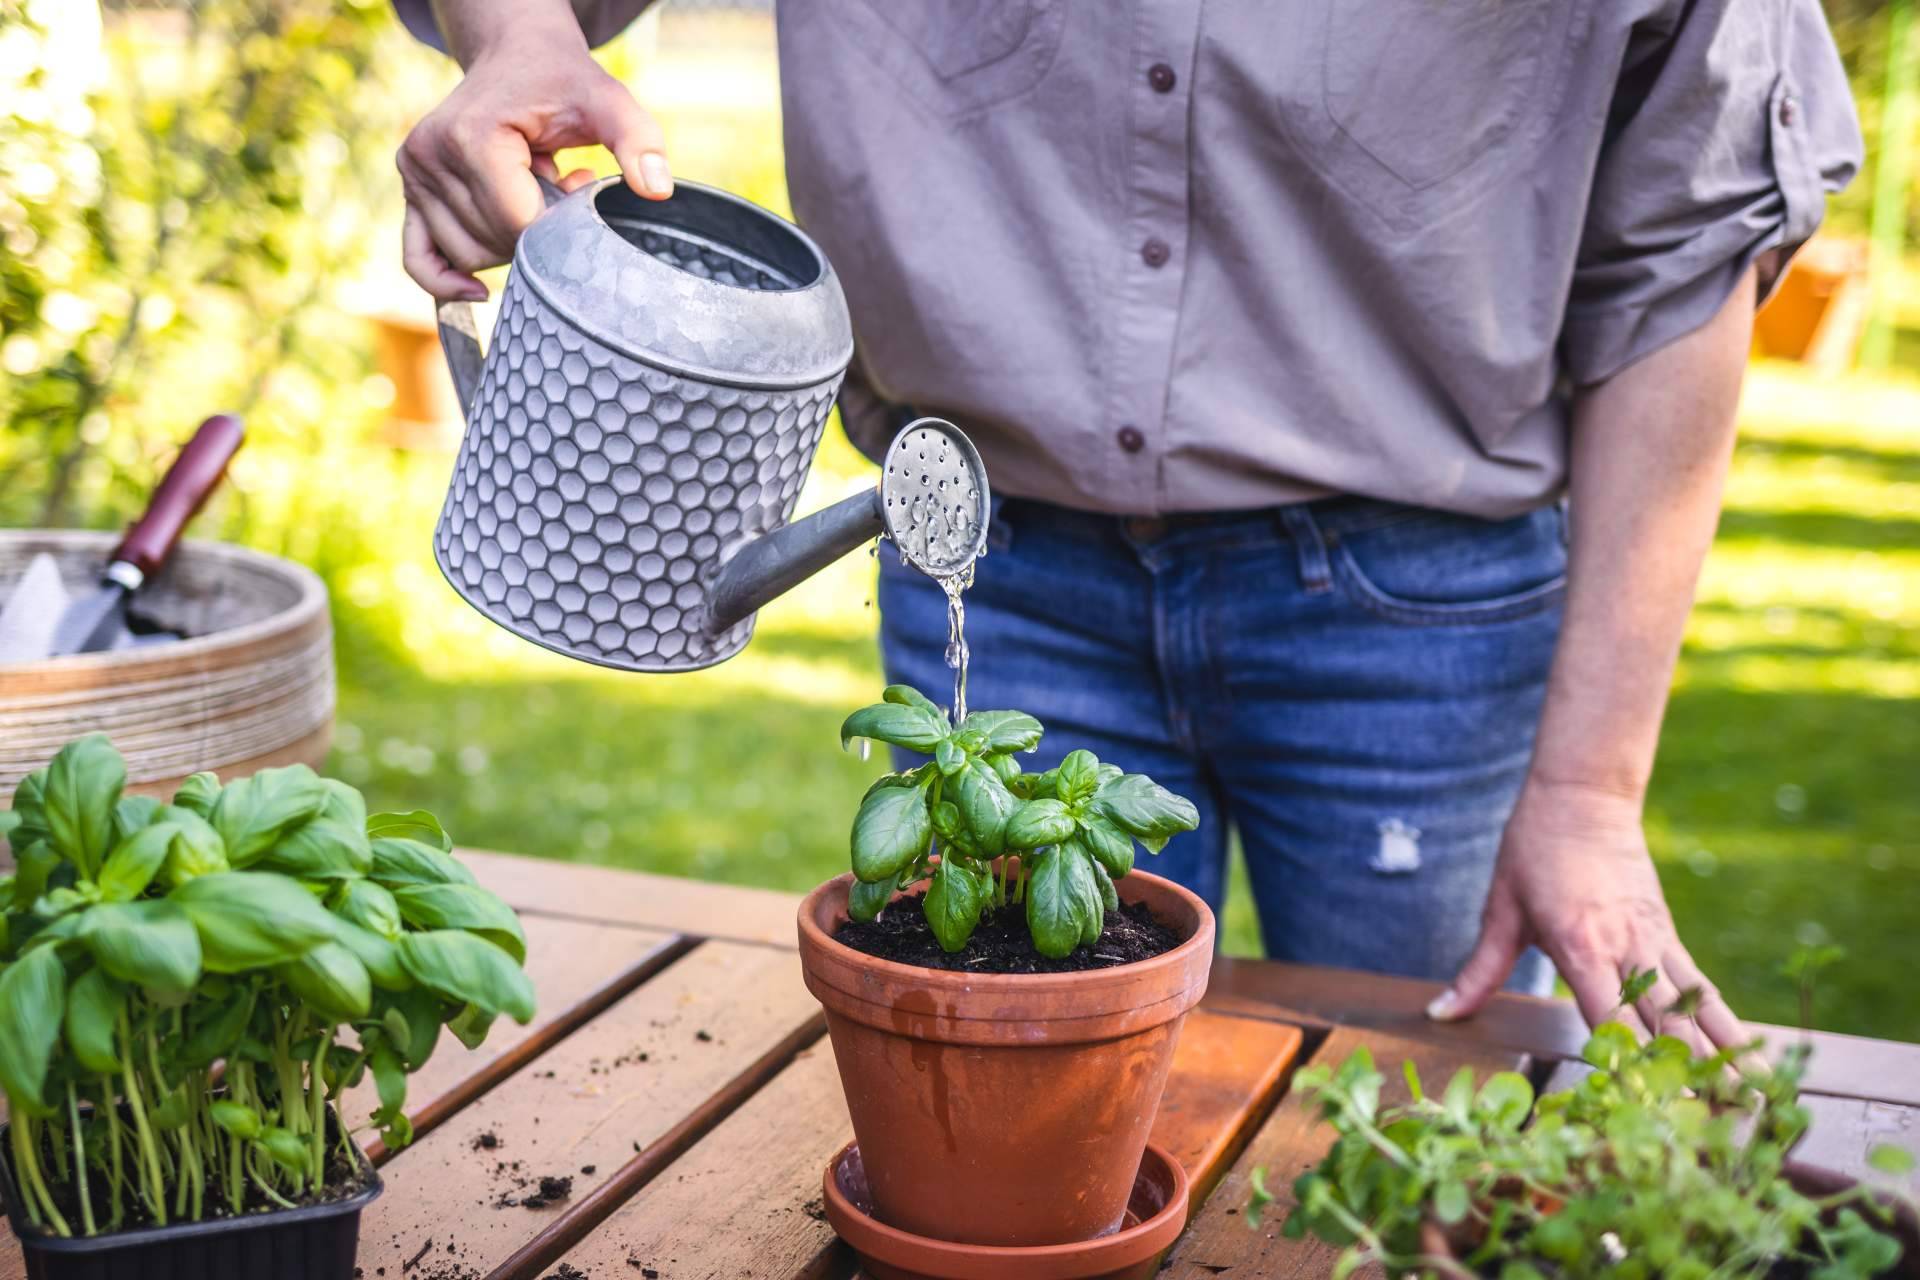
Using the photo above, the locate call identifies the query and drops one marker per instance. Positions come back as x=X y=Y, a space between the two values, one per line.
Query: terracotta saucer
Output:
x=1155 y=1216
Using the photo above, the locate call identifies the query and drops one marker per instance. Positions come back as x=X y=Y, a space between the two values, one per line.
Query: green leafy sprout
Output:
x=983 y=833
x=188 y=988
x=1659 y=1163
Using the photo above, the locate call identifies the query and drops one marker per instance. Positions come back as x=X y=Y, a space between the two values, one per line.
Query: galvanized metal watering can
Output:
x=638 y=430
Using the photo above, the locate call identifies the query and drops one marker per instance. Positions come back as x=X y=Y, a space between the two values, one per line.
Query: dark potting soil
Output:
x=344 y=1179
x=1002 y=943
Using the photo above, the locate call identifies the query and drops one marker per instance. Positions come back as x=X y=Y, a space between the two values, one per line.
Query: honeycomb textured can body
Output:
x=596 y=497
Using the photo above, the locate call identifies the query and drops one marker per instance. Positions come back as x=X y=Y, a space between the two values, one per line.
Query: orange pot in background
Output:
x=1005 y=1109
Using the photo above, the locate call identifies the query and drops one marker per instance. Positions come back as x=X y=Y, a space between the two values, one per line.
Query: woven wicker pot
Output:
x=251 y=687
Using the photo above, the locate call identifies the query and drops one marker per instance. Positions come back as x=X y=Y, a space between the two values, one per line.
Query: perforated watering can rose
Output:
x=638 y=430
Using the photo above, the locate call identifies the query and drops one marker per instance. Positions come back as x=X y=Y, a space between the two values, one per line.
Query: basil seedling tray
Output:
x=312 y=1242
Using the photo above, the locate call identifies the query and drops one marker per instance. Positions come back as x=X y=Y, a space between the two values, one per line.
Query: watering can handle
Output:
x=460 y=336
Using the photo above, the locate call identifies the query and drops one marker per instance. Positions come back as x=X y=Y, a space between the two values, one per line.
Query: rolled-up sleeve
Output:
x=601 y=20
x=1729 y=127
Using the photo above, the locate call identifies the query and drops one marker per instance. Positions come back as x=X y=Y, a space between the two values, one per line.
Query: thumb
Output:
x=634 y=138
x=1502 y=938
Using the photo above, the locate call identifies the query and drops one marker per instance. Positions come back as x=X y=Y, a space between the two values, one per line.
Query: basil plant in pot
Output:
x=188 y=988
x=1000 y=985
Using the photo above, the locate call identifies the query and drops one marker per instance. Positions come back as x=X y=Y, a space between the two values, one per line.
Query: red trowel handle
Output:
x=181 y=494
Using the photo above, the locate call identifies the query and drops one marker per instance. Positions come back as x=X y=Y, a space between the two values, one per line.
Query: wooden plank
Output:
x=1842 y=1065
x=577 y=969
x=572 y=890
x=1226 y=1074
x=1844 y=1130
x=744 y=1201
x=582 y=1112
x=1219 y=1241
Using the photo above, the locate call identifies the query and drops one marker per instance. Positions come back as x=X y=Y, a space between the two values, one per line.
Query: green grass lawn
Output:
x=1786 y=806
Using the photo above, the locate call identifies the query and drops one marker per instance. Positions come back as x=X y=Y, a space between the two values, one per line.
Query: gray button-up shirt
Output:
x=1158 y=255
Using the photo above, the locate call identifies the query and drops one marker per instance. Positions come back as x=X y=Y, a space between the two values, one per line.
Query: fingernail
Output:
x=655 y=176
x=1441 y=1008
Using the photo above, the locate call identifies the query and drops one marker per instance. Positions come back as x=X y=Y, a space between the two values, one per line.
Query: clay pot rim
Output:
x=1085 y=1258
x=955 y=981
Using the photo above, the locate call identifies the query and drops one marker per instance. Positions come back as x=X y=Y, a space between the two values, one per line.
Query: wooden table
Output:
x=680 y=1076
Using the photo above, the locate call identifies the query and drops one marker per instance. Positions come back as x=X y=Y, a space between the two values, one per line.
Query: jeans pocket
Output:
x=1443 y=569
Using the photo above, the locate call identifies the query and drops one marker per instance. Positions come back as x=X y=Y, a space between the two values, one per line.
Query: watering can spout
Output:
x=777 y=561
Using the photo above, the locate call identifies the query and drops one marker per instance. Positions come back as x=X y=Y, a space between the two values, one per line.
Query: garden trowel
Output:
x=98 y=619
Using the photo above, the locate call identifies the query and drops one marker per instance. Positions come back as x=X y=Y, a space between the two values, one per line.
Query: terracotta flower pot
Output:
x=1005 y=1109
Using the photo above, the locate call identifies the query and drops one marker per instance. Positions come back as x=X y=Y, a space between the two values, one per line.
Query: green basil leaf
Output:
x=422 y=1009
x=1109 y=896
x=1054 y=904
x=33 y=1003
x=30 y=807
x=131 y=814
x=1079 y=776
x=322 y=849
x=371 y=906
x=237 y=1118
x=197 y=849
x=150 y=943
x=33 y=867
x=83 y=786
x=1086 y=884
x=953 y=903
x=914 y=728
x=866 y=901
x=394 y=1023
x=252 y=919
x=908 y=778
x=380 y=956
x=1004 y=730
x=985 y=805
x=332 y=982
x=945 y=816
x=9 y=823
x=1506 y=1099
x=890 y=832
x=908 y=696
x=949 y=757
x=1007 y=768
x=468 y=968
x=471 y=1025
x=1138 y=805
x=389 y=1081
x=1111 y=847
x=214 y=1032
x=172 y=1111
x=1037 y=823
x=417 y=825
x=463 y=906
x=93 y=1010
x=398 y=861
x=252 y=814
x=198 y=793
x=285 y=1148
x=135 y=861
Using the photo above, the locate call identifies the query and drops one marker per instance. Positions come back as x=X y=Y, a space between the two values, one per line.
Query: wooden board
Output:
x=745 y=1200
x=1844 y=1130
x=574 y=891
x=1226 y=1074
x=577 y=969
x=1842 y=1065
x=1220 y=1243
x=583 y=1110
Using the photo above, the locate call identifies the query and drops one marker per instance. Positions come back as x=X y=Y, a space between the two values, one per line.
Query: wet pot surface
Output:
x=1005 y=1109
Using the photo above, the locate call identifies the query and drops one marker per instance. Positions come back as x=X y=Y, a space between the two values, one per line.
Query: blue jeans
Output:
x=1353 y=685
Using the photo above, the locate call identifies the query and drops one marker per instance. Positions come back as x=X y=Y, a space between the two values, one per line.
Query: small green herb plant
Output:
x=186 y=989
x=1070 y=830
x=1658 y=1164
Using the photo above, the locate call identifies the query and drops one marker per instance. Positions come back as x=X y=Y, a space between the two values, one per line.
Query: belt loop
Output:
x=1316 y=575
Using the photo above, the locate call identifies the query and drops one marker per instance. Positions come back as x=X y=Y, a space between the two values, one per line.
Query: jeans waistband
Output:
x=1343 y=513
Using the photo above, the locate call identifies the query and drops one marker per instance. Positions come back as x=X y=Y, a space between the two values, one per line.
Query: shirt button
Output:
x=1155 y=252
x=1162 y=78
x=1789 y=111
x=1130 y=439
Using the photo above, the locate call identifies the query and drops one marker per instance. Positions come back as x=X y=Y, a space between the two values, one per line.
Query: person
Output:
x=1357 y=378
